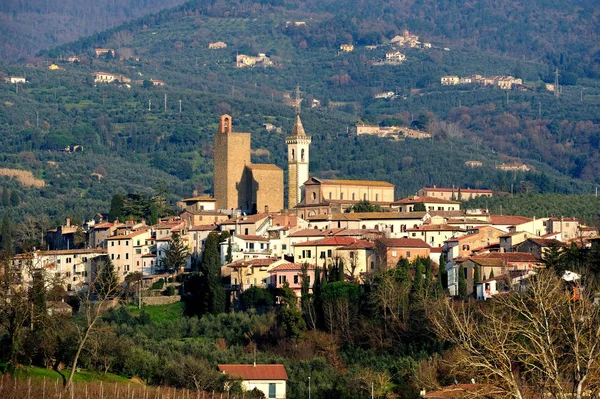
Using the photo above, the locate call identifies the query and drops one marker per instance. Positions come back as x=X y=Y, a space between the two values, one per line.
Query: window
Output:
x=322 y=256
x=119 y=242
x=308 y=280
x=293 y=154
x=365 y=196
x=112 y=256
x=308 y=254
x=127 y=243
x=353 y=196
x=281 y=279
x=271 y=390
x=376 y=197
x=126 y=256
x=284 y=246
x=341 y=196
x=408 y=254
x=112 y=243
x=138 y=242
x=302 y=155
x=330 y=195
x=314 y=195
x=394 y=254
x=303 y=254
x=329 y=253
x=245 y=231
x=68 y=260
x=296 y=279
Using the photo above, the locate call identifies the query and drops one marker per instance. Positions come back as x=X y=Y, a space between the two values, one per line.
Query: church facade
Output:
x=240 y=185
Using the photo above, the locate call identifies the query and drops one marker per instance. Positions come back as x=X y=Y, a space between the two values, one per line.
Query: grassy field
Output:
x=161 y=313
x=81 y=376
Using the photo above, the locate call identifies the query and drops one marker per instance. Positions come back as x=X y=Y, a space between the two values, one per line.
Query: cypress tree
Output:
x=491 y=274
x=341 y=274
x=15 y=199
x=5 y=196
x=214 y=298
x=6 y=235
x=462 y=283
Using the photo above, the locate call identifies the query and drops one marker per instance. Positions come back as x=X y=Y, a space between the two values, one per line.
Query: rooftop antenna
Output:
x=255 y=355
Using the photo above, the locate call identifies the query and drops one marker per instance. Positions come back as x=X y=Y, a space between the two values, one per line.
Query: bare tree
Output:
x=103 y=289
x=544 y=338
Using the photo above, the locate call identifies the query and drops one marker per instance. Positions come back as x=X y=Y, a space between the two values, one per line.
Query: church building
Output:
x=238 y=183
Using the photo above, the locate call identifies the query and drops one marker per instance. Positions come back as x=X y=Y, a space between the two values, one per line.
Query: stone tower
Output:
x=298 y=143
x=231 y=155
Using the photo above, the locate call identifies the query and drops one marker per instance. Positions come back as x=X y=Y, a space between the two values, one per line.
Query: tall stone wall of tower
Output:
x=231 y=155
x=264 y=188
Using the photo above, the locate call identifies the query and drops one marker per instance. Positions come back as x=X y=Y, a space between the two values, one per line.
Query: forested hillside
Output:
x=27 y=26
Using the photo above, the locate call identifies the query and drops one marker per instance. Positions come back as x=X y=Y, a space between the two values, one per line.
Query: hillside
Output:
x=556 y=137
x=29 y=26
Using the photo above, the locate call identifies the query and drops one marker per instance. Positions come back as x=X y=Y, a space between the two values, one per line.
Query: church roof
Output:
x=298 y=129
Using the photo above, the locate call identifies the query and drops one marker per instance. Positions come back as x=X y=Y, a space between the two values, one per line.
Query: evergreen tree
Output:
x=341 y=274
x=6 y=235
x=176 y=254
x=491 y=274
x=429 y=277
x=213 y=291
x=476 y=274
x=462 y=283
x=459 y=197
x=229 y=257
x=417 y=287
x=117 y=206
x=419 y=207
x=15 y=198
x=5 y=196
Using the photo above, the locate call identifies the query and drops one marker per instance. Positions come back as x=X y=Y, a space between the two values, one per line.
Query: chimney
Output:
x=68 y=224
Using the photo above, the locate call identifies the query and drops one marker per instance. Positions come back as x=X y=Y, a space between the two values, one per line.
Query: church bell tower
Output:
x=298 y=145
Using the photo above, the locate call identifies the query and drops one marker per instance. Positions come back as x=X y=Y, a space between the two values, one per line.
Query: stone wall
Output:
x=160 y=300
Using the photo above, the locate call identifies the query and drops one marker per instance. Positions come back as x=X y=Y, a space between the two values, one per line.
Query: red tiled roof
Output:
x=508 y=220
x=105 y=225
x=509 y=256
x=291 y=266
x=462 y=190
x=249 y=219
x=420 y=200
x=204 y=227
x=331 y=241
x=435 y=227
x=358 y=244
x=251 y=238
x=255 y=372
x=128 y=236
x=404 y=242
x=315 y=233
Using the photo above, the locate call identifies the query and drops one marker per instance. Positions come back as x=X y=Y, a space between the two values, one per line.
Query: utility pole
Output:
x=165 y=102
x=149 y=104
x=539 y=110
x=37 y=119
x=179 y=106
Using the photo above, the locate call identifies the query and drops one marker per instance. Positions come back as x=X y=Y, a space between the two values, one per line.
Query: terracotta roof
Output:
x=435 y=227
x=201 y=198
x=127 y=236
x=264 y=166
x=205 y=227
x=331 y=241
x=255 y=372
x=105 y=225
x=509 y=256
x=206 y=213
x=63 y=252
x=546 y=242
x=404 y=242
x=358 y=244
x=251 y=219
x=252 y=262
x=376 y=183
x=370 y=216
x=555 y=219
x=465 y=220
x=291 y=266
x=315 y=233
x=509 y=220
x=462 y=190
x=420 y=200
x=251 y=238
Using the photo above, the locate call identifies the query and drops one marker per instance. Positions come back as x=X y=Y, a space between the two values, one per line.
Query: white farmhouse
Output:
x=271 y=379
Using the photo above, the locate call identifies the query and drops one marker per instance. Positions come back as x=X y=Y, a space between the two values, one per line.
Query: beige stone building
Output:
x=239 y=184
x=326 y=196
x=447 y=193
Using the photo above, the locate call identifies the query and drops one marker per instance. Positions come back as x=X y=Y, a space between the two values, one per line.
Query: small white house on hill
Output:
x=271 y=379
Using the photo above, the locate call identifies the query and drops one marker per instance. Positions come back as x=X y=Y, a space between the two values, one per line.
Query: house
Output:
x=347 y=47
x=538 y=246
x=126 y=251
x=390 y=250
x=243 y=60
x=435 y=234
x=157 y=82
x=326 y=196
x=567 y=227
x=487 y=288
x=75 y=267
x=246 y=273
x=509 y=241
x=357 y=255
x=72 y=59
x=290 y=274
x=104 y=77
x=449 y=193
x=428 y=203
x=246 y=247
x=271 y=379
x=15 y=79
x=217 y=45
x=449 y=80
x=98 y=233
x=394 y=57
x=474 y=164
x=63 y=237
x=201 y=203
x=514 y=167
x=104 y=51
x=256 y=224
x=392 y=224
x=475 y=239
x=196 y=217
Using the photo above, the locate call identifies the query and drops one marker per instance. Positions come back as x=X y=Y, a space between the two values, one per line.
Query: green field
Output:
x=161 y=313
